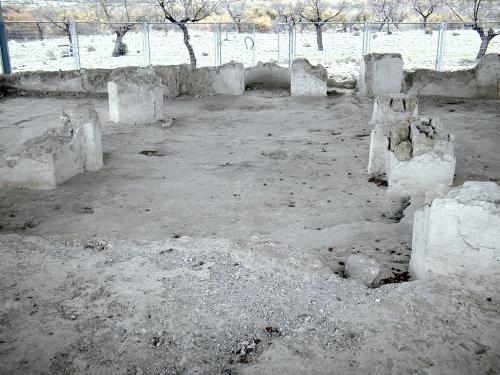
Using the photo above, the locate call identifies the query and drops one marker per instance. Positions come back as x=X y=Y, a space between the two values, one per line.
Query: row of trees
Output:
x=316 y=12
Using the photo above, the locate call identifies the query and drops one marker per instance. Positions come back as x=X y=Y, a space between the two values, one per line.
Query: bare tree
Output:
x=286 y=10
x=236 y=8
x=425 y=8
x=108 y=11
x=320 y=12
x=61 y=20
x=472 y=12
x=180 y=12
x=387 y=12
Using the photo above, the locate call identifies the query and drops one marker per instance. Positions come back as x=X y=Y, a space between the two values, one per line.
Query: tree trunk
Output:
x=425 y=21
x=192 y=57
x=486 y=37
x=68 y=33
x=319 y=35
x=120 y=47
x=485 y=41
x=238 y=25
x=40 y=31
x=381 y=26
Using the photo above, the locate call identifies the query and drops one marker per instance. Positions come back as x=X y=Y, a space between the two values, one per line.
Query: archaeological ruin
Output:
x=251 y=220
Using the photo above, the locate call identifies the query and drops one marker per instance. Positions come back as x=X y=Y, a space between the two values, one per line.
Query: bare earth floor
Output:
x=227 y=230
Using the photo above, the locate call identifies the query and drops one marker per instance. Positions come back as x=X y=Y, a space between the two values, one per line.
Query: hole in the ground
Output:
x=378 y=180
x=399 y=214
x=151 y=153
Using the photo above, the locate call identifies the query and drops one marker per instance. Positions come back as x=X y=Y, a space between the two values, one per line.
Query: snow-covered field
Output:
x=341 y=55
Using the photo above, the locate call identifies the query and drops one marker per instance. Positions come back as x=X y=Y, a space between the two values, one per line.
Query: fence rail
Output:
x=37 y=45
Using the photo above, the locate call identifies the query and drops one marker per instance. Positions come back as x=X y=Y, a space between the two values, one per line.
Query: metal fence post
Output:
x=4 y=46
x=278 y=32
x=218 y=44
x=145 y=44
x=291 y=43
x=219 y=32
x=440 y=46
x=215 y=45
x=254 y=45
x=366 y=39
x=74 y=44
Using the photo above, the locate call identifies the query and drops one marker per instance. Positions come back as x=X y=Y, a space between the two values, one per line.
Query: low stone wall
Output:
x=425 y=82
x=228 y=79
x=481 y=82
x=268 y=75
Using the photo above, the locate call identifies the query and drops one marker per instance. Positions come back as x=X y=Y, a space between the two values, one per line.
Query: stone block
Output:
x=488 y=77
x=417 y=175
x=379 y=145
x=47 y=161
x=380 y=74
x=136 y=99
x=363 y=269
x=458 y=233
x=307 y=79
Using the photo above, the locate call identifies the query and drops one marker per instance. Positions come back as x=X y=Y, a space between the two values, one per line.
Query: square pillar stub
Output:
x=136 y=99
x=380 y=74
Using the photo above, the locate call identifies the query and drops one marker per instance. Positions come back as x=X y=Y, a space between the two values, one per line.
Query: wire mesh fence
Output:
x=238 y=43
x=335 y=45
x=167 y=46
x=40 y=46
x=462 y=44
x=110 y=45
x=416 y=42
x=338 y=46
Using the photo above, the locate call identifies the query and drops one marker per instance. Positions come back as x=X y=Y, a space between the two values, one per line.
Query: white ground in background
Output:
x=341 y=56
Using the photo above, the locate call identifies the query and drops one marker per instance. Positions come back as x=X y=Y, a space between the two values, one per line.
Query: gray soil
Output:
x=217 y=245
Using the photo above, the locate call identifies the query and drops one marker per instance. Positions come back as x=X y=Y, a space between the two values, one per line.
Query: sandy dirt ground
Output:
x=217 y=245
